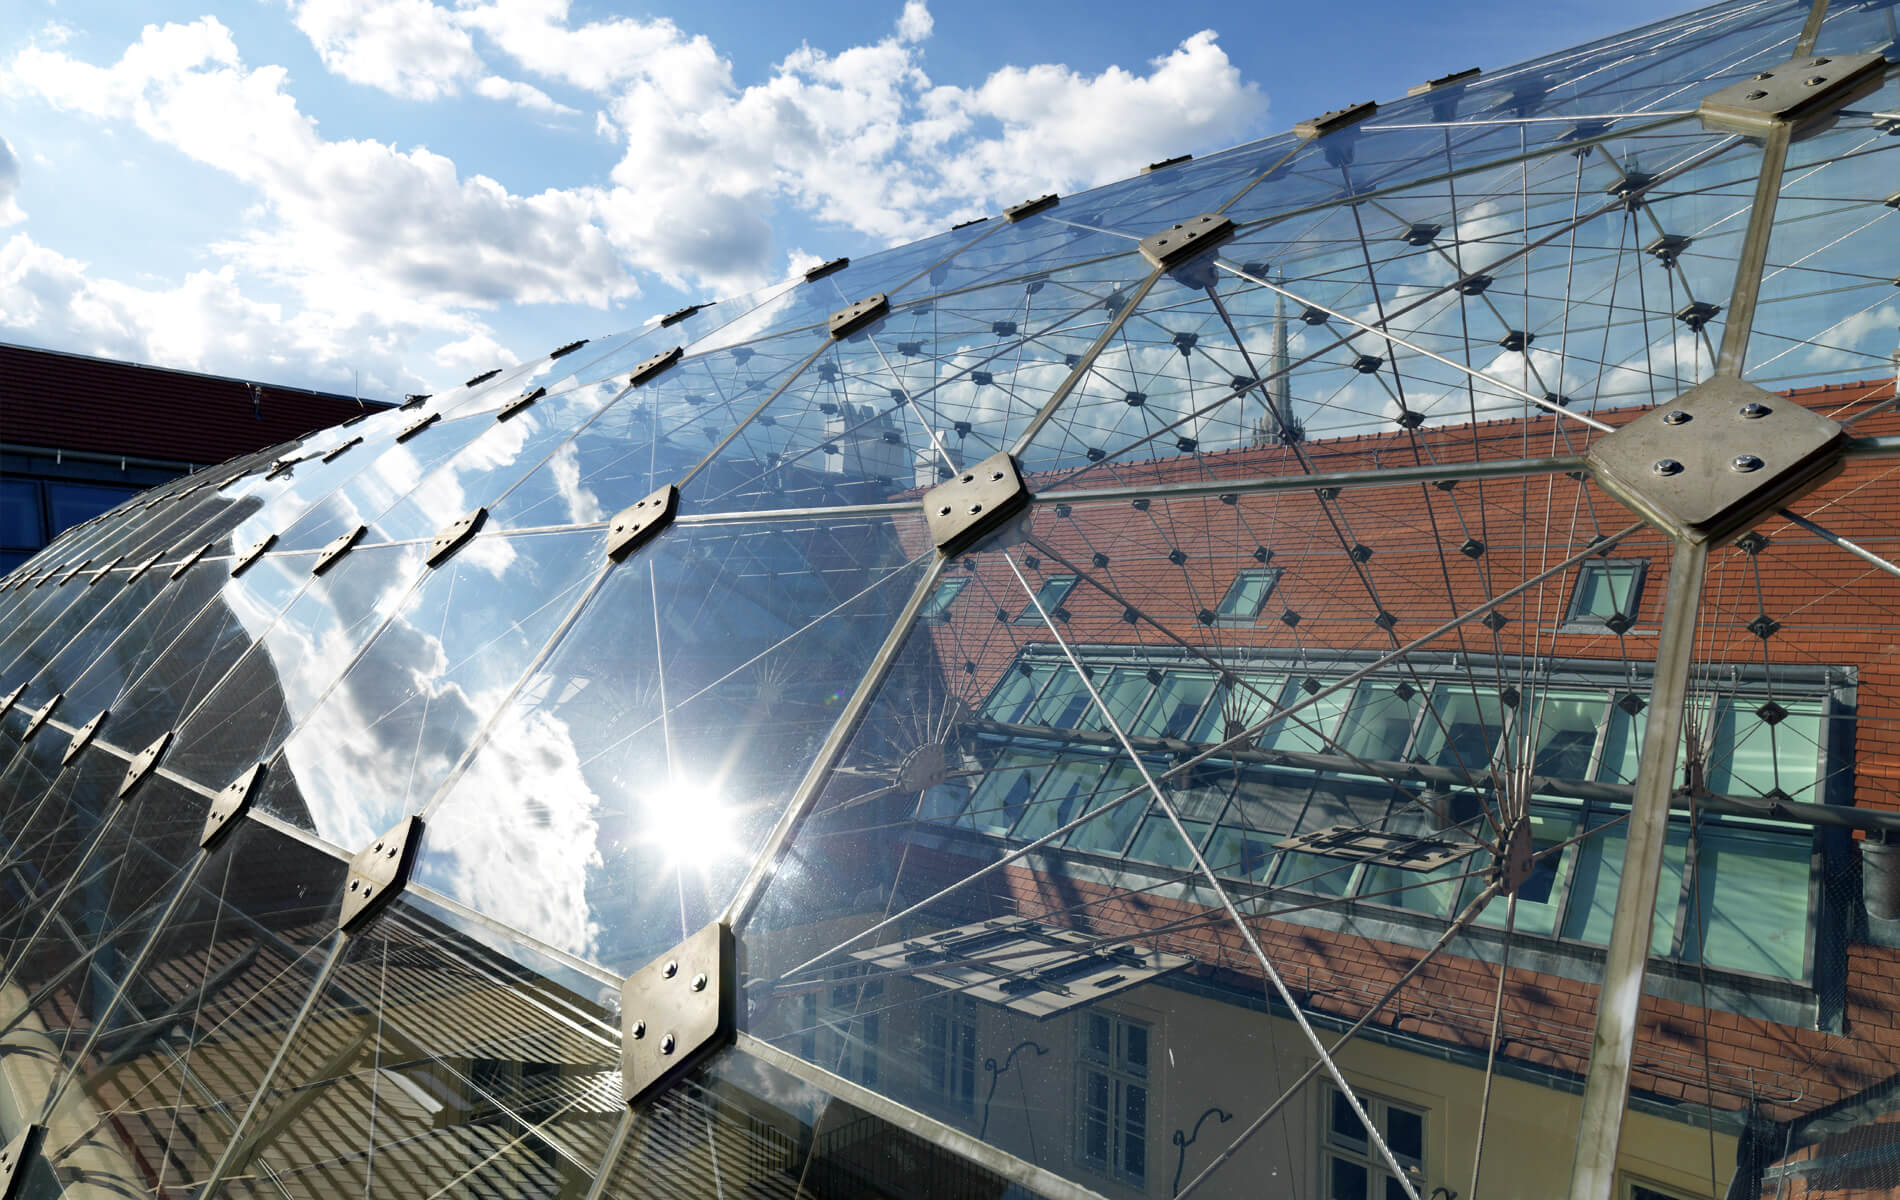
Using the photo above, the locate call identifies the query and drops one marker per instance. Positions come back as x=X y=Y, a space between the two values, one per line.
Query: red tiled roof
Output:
x=76 y=403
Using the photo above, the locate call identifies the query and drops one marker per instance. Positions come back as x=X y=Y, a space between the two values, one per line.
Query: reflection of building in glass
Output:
x=83 y=434
x=1365 y=810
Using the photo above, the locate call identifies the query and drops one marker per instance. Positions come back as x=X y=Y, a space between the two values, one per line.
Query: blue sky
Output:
x=394 y=194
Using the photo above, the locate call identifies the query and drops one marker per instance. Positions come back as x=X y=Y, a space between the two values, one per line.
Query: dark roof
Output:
x=78 y=403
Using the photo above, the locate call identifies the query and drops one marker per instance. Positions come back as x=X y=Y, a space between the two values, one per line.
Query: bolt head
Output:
x=671 y=968
x=666 y=1044
x=699 y=983
x=1745 y=463
x=1754 y=410
x=639 y=1029
x=1667 y=466
x=1815 y=80
x=1676 y=417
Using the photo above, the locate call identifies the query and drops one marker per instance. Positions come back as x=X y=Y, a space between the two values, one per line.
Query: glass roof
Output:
x=1345 y=776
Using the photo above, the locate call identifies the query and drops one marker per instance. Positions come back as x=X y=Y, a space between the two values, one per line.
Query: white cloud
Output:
x=526 y=95
x=10 y=211
x=204 y=323
x=365 y=233
x=346 y=223
x=408 y=48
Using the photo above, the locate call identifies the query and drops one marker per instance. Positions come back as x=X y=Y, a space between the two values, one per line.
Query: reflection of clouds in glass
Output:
x=577 y=501
x=443 y=497
x=519 y=836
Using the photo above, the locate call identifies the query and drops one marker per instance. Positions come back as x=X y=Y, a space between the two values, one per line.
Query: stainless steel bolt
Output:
x=1815 y=80
x=1667 y=466
x=639 y=1029
x=671 y=968
x=1755 y=410
x=1676 y=417
x=666 y=1044
x=699 y=983
x=1746 y=463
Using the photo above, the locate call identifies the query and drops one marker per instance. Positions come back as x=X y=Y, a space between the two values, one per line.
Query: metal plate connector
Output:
x=679 y=314
x=635 y=525
x=146 y=762
x=1030 y=208
x=484 y=377
x=378 y=872
x=337 y=549
x=1165 y=163
x=564 y=351
x=1183 y=241
x=256 y=552
x=83 y=736
x=40 y=717
x=520 y=403
x=1338 y=118
x=1717 y=458
x=974 y=502
x=847 y=321
x=650 y=368
x=145 y=566
x=1443 y=81
x=6 y=704
x=823 y=269
x=1799 y=92
x=187 y=562
x=677 y=1010
x=13 y=1159
x=409 y=431
x=104 y=571
x=333 y=455
x=230 y=804
x=450 y=539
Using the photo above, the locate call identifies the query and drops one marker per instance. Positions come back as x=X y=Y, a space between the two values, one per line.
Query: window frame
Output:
x=1223 y=617
x=1113 y=1166
x=1052 y=605
x=1580 y=622
x=942 y=597
x=958 y=1014
x=1377 y=1172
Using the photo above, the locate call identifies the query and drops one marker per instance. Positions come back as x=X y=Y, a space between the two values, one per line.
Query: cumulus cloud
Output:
x=363 y=232
x=10 y=211
x=206 y=322
x=398 y=230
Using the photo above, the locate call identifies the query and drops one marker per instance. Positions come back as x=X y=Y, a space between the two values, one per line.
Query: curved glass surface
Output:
x=1356 y=769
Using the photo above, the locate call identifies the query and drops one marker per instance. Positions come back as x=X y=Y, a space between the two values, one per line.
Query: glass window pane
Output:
x=70 y=503
x=1159 y=843
x=1606 y=589
x=1752 y=903
x=1540 y=897
x=1748 y=756
x=1566 y=725
x=1063 y=703
x=1011 y=701
x=1005 y=789
x=1600 y=873
x=1247 y=595
x=1463 y=733
x=943 y=597
x=20 y=513
x=1049 y=597
x=1309 y=730
x=1177 y=701
x=1108 y=833
x=1379 y=723
x=1239 y=705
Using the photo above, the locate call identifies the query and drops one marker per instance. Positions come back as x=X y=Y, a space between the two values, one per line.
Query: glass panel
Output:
x=1751 y=903
x=1600 y=872
x=649 y=758
x=377 y=746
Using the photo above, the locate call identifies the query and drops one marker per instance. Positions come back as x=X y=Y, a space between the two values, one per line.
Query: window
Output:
x=1351 y=1167
x=1246 y=596
x=950 y=1051
x=851 y=1046
x=1607 y=594
x=938 y=608
x=1050 y=595
x=1111 y=1079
